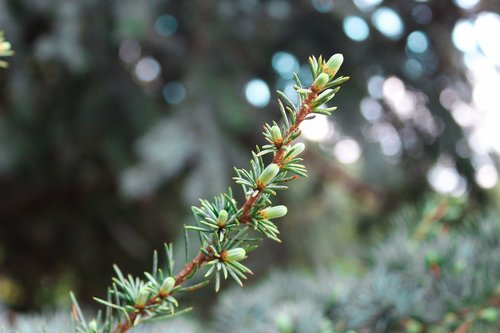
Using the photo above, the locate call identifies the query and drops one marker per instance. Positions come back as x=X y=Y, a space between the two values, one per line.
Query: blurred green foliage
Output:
x=443 y=281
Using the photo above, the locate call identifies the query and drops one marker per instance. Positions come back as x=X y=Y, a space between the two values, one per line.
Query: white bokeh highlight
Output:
x=257 y=93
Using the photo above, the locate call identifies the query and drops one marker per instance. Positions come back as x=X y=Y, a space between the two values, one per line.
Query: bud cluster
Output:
x=324 y=72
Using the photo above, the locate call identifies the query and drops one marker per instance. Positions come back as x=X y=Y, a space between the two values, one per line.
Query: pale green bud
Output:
x=274 y=212
x=222 y=219
x=276 y=134
x=236 y=254
x=5 y=46
x=93 y=325
x=432 y=258
x=333 y=64
x=167 y=285
x=268 y=174
x=297 y=149
x=489 y=314
x=284 y=323
x=413 y=326
x=142 y=296
x=321 y=81
x=450 y=318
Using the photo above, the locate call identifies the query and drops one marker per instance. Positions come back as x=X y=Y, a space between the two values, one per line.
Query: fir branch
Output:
x=223 y=229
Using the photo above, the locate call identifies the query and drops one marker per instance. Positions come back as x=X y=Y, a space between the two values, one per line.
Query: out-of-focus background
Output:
x=117 y=115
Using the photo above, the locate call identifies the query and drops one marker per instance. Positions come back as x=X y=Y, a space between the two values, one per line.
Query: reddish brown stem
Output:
x=247 y=207
x=198 y=261
x=305 y=109
x=125 y=325
x=245 y=217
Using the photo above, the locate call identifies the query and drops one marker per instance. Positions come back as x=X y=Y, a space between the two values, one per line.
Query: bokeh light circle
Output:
x=285 y=64
x=356 y=28
x=347 y=151
x=166 y=25
x=147 y=69
x=417 y=42
x=388 y=22
x=257 y=93
x=174 y=92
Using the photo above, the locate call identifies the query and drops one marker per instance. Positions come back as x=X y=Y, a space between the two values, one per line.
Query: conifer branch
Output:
x=222 y=227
